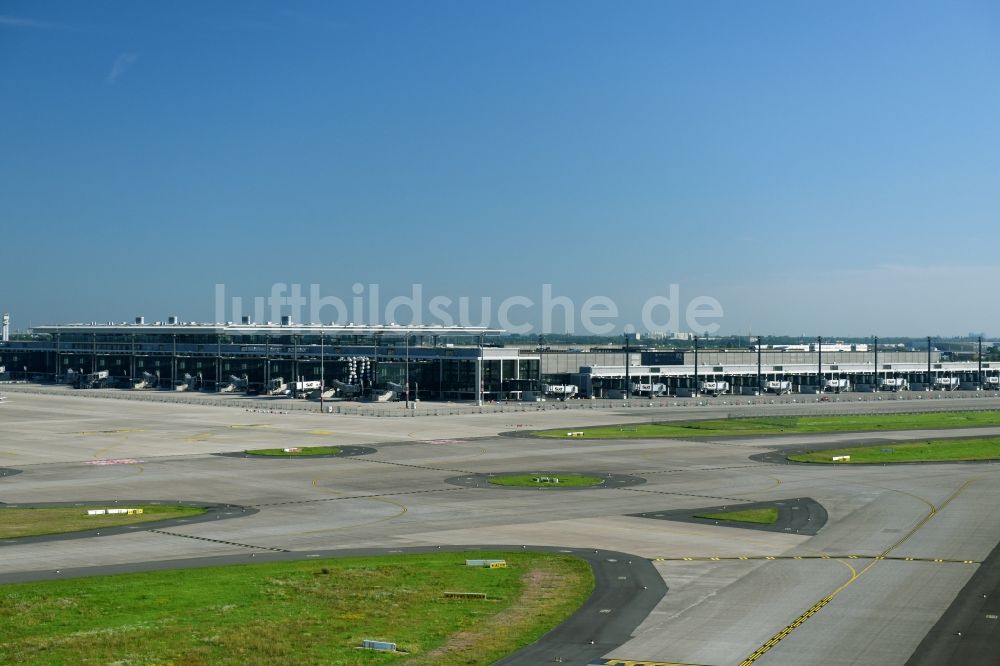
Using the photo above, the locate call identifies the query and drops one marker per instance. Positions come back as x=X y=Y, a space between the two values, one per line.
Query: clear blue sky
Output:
x=818 y=168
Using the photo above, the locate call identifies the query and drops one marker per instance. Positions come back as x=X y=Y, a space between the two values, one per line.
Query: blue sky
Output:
x=817 y=168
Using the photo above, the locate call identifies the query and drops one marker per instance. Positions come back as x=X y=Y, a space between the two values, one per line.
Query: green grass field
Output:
x=22 y=522
x=565 y=481
x=783 y=424
x=766 y=516
x=305 y=452
x=942 y=450
x=305 y=612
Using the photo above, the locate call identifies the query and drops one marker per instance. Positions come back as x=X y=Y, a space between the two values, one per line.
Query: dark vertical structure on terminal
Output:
x=979 y=356
x=819 y=364
x=295 y=366
x=267 y=360
x=760 y=382
x=877 y=387
x=697 y=388
x=628 y=386
x=218 y=360
x=930 y=382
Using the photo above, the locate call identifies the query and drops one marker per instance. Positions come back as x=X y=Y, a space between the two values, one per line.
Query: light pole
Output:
x=373 y=375
x=760 y=383
x=322 y=369
x=980 y=357
x=930 y=382
x=819 y=364
x=697 y=389
x=407 y=372
x=877 y=383
x=628 y=384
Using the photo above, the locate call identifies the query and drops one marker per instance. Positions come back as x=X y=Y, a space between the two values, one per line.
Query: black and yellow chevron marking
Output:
x=730 y=558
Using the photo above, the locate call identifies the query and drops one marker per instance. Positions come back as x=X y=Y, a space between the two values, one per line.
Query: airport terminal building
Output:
x=379 y=362
x=441 y=363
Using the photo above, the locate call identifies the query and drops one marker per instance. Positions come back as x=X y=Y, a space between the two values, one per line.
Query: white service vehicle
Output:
x=650 y=389
x=946 y=383
x=190 y=383
x=345 y=390
x=234 y=384
x=149 y=380
x=778 y=386
x=560 y=391
x=277 y=386
x=99 y=379
x=713 y=387
x=836 y=385
x=304 y=388
x=895 y=384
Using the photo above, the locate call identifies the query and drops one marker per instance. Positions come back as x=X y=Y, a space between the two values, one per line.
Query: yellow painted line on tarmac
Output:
x=249 y=425
x=777 y=482
x=320 y=433
x=401 y=506
x=823 y=556
x=854 y=572
x=117 y=431
x=636 y=662
x=121 y=437
x=801 y=619
x=855 y=575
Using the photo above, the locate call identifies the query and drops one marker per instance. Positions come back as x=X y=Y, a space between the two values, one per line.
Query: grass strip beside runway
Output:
x=766 y=516
x=304 y=451
x=23 y=522
x=776 y=425
x=303 y=612
x=547 y=481
x=943 y=450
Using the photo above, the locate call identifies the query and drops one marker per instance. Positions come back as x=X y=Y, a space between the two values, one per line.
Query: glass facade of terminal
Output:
x=438 y=368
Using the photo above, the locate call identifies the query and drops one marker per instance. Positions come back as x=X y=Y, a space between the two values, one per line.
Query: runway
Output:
x=899 y=543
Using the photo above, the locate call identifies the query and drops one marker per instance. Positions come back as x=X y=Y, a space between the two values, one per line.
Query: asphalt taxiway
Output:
x=899 y=544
